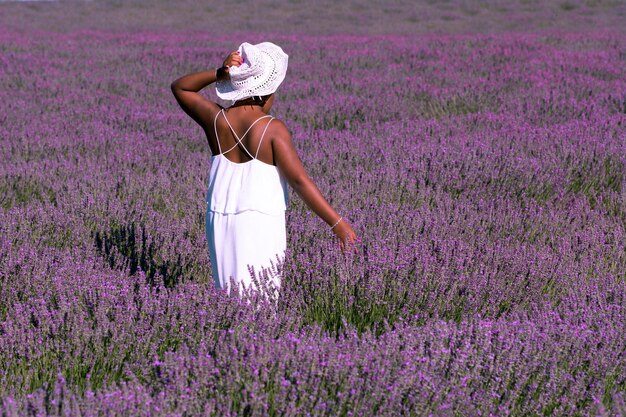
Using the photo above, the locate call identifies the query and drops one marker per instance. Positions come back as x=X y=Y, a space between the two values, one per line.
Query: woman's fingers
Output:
x=346 y=236
x=231 y=62
x=348 y=241
x=234 y=58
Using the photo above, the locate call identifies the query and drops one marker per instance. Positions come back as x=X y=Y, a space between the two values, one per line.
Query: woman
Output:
x=253 y=161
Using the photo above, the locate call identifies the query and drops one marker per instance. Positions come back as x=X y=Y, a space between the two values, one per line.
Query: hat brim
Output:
x=225 y=90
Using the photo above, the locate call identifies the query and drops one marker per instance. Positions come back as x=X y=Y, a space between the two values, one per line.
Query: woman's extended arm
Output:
x=291 y=168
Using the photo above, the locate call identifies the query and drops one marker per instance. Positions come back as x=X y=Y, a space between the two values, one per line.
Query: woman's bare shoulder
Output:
x=279 y=131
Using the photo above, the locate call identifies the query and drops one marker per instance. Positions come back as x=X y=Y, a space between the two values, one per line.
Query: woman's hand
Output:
x=345 y=234
x=234 y=58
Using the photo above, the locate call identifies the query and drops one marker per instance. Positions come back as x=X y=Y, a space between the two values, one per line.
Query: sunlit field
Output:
x=478 y=149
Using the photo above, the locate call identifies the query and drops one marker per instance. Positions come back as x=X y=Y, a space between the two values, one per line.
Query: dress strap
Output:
x=239 y=139
x=215 y=127
x=262 y=136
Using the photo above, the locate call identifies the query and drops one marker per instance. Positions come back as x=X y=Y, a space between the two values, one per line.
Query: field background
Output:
x=478 y=148
x=323 y=17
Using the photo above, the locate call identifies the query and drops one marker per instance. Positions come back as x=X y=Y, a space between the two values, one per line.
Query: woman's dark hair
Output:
x=251 y=101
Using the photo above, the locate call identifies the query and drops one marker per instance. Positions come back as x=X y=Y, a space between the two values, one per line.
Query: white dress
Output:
x=245 y=218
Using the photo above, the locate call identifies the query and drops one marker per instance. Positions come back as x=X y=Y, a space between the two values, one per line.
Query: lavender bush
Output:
x=485 y=173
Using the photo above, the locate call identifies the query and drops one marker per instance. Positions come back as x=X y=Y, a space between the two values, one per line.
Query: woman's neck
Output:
x=249 y=107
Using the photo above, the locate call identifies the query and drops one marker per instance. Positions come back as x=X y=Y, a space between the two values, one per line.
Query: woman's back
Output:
x=241 y=134
x=238 y=179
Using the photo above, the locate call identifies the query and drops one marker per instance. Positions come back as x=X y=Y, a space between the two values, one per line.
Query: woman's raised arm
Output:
x=186 y=88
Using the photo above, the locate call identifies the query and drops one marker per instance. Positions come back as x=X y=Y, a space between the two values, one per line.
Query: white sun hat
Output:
x=263 y=69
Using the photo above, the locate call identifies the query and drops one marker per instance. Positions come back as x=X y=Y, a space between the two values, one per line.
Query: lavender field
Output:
x=478 y=148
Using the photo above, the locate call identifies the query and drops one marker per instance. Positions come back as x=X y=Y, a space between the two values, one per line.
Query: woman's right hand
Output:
x=345 y=234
